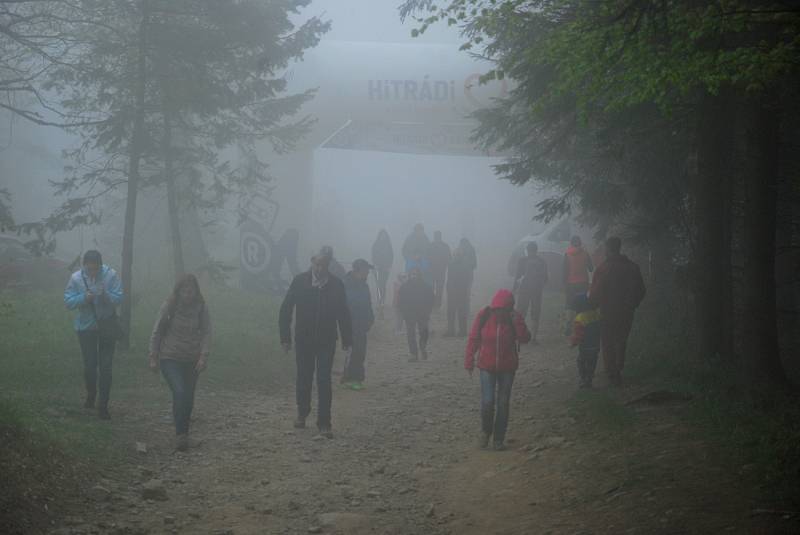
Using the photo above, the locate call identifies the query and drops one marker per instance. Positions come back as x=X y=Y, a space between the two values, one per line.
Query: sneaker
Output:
x=300 y=423
x=356 y=386
x=424 y=354
x=182 y=442
x=103 y=414
x=499 y=446
x=413 y=358
x=483 y=441
x=325 y=432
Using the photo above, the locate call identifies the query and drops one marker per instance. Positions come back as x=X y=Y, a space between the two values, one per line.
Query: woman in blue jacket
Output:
x=95 y=291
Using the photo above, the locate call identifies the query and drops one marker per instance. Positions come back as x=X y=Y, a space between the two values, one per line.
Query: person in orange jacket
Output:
x=617 y=288
x=496 y=333
x=577 y=266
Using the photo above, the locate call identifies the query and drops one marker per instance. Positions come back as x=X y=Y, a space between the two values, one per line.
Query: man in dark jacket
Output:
x=617 y=288
x=359 y=301
x=415 y=301
x=321 y=305
x=439 y=256
x=459 y=282
x=529 y=284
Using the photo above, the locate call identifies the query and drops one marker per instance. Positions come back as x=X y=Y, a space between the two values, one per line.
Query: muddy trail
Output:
x=404 y=459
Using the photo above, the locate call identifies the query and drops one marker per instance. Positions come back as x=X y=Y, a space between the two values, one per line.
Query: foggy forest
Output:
x=399 y=267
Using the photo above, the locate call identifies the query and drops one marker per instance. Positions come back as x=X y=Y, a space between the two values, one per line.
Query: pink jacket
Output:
x=496 y=331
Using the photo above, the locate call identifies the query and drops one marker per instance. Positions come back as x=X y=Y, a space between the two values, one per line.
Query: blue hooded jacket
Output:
x=106 y=286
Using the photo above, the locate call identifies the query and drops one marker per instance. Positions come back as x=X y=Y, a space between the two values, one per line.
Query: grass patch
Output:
x=39 y=479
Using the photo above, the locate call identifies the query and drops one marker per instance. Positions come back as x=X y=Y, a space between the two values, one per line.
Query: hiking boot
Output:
x=300 y=423
x=424 y=354
x=89 y=403
x=182 y=442
x=325 y=431
x=103 y=414
x=499 y=446
x=483 y=441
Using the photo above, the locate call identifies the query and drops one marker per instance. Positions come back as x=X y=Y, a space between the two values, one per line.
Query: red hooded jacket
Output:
x=494 y=338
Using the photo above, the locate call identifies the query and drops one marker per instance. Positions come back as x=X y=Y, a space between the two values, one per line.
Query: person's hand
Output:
x=346 y=348
x=153 y=363
x=201 y=364
x=287 y=346
x=470 y=371
x=89 y=297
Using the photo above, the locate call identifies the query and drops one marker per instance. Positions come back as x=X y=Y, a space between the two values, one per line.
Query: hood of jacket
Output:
x=503 y=299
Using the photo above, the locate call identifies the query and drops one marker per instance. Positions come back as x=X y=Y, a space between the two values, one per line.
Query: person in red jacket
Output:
x=617 y=288
x=496 y=333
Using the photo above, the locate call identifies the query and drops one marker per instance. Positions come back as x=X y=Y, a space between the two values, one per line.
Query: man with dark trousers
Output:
x=617 y=288
x=359 y=301
x=321 y=305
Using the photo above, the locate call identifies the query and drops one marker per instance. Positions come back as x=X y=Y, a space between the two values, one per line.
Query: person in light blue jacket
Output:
x=94 y=291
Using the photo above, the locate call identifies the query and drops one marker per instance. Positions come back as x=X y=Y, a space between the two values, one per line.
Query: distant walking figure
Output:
x=495 y=335
x=179 y=345
x=320 y=303
x=415 y=301
x=382 y=259
x=530 y=280
x=577 y=267
x=439 y=256
x=94 y=291
x=617 y=288
x=362 y=317
x=459 y=284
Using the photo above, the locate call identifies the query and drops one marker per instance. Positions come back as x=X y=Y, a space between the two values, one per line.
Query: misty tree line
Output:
x=671 y=122
x=170 y=94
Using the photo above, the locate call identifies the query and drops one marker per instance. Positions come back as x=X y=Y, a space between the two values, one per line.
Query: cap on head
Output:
x=362 y=265
x=437 y=235
x=532 y=247
x=419 y=228
x=93 y=257
x=575 y=241
x=613 y=245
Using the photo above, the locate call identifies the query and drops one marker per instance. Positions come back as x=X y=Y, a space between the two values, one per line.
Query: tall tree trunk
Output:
x=713 y=249
x=136 y=149
x=172 y=197
x=760 y=342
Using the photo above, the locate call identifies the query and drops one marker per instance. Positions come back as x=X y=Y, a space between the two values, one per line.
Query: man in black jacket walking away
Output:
x=415 y=301
x=321 y=304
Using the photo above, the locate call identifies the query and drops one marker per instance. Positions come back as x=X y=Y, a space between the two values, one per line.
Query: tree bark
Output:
x=172 y=198
x=760 y=342
x=136 y=150
x=712 y=269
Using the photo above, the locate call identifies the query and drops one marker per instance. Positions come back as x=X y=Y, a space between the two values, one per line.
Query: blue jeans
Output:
x=495 y=385
x=311 y=358
x=182 y=379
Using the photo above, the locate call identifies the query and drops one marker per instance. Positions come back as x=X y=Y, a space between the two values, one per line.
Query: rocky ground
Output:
x=404 y=460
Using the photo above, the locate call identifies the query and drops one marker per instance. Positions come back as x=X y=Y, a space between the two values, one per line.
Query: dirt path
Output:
x=404 y=461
